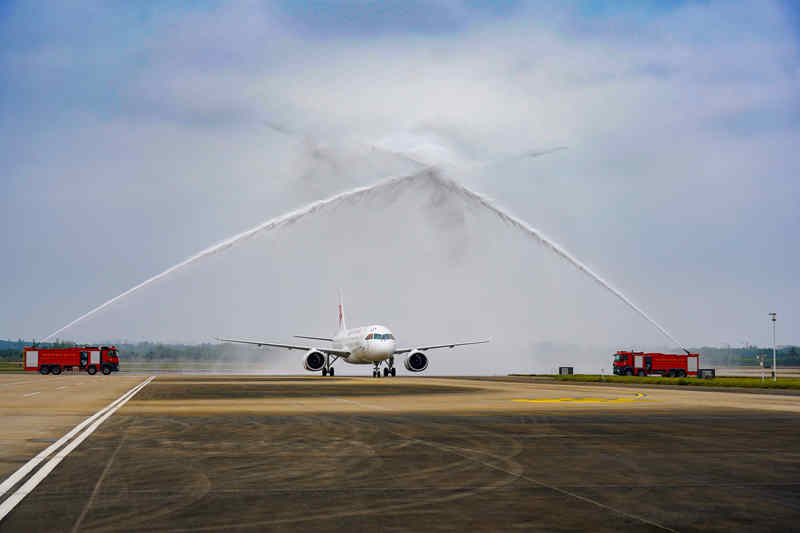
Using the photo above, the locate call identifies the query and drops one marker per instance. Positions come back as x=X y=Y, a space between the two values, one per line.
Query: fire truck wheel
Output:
x=44 y=370
x=682 y=373
x=56 y=370
x=641 y=373
x=106 y=370
x=629 y=372
x=91 y=370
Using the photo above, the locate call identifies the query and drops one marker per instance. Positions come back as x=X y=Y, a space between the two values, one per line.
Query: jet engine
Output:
x=314 y=360
x=416 y=362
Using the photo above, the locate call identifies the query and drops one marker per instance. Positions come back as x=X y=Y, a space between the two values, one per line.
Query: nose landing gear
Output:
x=388 y=370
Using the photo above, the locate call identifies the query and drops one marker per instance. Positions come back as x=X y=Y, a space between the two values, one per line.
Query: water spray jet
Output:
x=358 y=193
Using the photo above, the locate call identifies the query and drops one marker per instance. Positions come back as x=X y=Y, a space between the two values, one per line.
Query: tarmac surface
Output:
x=259 y=453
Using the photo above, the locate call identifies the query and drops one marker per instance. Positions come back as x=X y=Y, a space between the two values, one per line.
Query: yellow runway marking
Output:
x=639 y=398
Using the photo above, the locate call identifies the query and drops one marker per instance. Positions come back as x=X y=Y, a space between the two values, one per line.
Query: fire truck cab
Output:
x=664 y=364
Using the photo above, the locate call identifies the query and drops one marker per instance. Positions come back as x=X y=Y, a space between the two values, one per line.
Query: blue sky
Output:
x=681 y=118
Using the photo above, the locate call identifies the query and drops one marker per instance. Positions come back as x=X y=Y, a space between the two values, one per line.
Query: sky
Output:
x=133 y=135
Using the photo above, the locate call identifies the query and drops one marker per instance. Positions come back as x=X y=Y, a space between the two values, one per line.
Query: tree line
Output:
x=748 y=356
x=157 y=351
x=141 y=351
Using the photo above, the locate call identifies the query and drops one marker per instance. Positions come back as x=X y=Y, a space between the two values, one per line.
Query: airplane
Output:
x=366 y=345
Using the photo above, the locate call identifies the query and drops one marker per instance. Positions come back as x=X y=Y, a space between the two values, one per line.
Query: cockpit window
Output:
x=379 y=336
x=619 y=357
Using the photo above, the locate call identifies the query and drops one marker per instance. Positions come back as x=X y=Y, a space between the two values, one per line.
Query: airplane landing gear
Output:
x=328 y=368
x=388 y=370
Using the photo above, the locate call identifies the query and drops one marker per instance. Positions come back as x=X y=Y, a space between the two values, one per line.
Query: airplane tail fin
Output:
x=342 y=321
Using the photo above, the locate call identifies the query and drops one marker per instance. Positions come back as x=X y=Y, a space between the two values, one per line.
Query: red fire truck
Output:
x=89 y=358
x=664 y=364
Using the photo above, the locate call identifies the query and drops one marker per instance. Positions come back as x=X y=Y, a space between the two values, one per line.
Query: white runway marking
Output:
x=95 y=420
x=31 y=394
x=14 y=383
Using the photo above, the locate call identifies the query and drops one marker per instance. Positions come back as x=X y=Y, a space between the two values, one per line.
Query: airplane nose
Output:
x=382 y=347
x=389 y=347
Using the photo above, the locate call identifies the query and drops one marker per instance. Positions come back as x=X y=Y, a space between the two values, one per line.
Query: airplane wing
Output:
x=452 y=345
x=342 y=353
x=313 y=338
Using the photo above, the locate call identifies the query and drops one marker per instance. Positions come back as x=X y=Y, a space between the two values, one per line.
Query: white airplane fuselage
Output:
x=367 y=344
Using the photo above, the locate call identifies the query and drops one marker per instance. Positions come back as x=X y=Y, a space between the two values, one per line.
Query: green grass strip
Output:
x=753 y=383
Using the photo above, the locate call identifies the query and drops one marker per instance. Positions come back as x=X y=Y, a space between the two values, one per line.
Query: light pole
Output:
x=774 y=359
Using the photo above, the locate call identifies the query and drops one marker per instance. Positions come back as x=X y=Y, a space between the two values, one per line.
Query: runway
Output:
x=255 y=453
